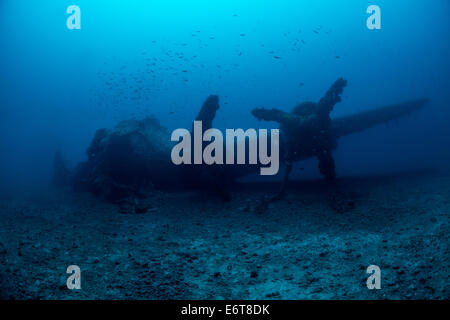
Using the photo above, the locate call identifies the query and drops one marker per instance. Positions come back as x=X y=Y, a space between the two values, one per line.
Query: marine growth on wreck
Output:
x=134 y=155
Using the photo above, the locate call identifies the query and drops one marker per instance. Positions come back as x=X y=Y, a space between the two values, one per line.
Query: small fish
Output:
x=277 y=57
x=337 y=57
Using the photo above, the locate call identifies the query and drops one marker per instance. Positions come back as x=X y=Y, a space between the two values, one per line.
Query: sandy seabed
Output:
x=316 y=243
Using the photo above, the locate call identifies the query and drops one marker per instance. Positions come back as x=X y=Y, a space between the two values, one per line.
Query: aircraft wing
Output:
x=364 y=120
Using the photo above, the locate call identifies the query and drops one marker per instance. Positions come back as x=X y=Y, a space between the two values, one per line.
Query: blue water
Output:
x=136 y=58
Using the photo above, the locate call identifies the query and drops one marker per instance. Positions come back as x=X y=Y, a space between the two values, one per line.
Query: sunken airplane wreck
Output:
x=134 y=157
